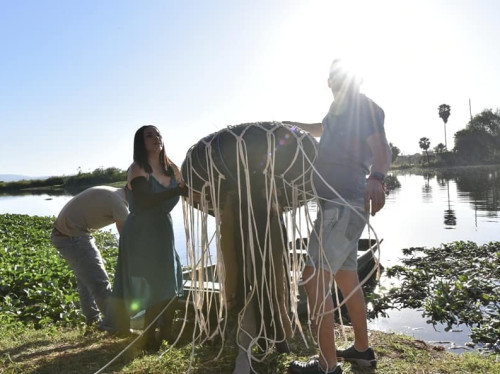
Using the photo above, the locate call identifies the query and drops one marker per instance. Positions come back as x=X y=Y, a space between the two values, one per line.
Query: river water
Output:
x=426 y=210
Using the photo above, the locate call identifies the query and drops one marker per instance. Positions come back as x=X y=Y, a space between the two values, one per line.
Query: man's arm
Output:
x=382 y=156
x=315 y=129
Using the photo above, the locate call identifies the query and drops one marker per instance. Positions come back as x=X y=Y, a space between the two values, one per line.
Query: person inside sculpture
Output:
x=353 y=144
x=254 y=261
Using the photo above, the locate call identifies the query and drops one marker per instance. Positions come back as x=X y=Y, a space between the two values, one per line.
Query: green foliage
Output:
x=75 y=183
x=480 y=140
x=424 y=143
x=35 y=183
x=395 y=151
x=97 y=177
x=38 y=312
x=444 y=112
x=440 y=148
x=456 y=283
x=36 y=285
x=392 y=182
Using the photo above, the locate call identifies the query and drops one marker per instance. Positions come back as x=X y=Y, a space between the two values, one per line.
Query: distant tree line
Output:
x=97 y=177
x=31 y=183
x=480 y=140
x=72 y=183
x=478 y=143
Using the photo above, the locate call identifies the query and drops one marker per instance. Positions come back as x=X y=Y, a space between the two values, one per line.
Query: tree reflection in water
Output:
x=450 y=218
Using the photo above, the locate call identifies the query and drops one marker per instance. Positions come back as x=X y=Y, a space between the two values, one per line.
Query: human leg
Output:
x=321 y=304
x=149 y=334
x=85 y=260
x=163 y=320
x=87 y=303
x=280 y=283
x=332 y=246
x=348 y=282
x=166 y=320
x=247 y=330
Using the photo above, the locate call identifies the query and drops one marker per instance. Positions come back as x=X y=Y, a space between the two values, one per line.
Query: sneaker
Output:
x=352 y=355
x=310 y=367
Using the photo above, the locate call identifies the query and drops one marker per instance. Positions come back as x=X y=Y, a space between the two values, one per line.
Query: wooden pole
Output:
x=470 y=110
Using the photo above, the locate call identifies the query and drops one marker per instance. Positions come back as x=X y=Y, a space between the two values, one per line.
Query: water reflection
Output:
x=41 y=204
x=479 y=185
x=426 y=188
x=450 y=218
x=36 y=192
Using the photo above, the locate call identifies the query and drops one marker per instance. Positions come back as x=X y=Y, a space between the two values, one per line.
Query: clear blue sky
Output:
x=77 y=78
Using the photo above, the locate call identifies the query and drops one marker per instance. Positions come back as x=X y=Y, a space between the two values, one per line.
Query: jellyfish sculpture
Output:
x=254 y=182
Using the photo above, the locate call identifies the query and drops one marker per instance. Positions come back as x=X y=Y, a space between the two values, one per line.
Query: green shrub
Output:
x=36 y=285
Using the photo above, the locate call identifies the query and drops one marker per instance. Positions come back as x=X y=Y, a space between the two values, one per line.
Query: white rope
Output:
x=260 y=284
x=297 y=221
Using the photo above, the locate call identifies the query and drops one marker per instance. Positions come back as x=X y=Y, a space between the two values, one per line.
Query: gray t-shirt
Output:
x=344 y=157
x=92 y=209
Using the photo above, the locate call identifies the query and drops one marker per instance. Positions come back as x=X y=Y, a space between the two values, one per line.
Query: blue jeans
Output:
x=83 y=257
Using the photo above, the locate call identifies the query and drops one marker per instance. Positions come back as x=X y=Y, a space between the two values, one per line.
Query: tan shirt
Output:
x=91 y=210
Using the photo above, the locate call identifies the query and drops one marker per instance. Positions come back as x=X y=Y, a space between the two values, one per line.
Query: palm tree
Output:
x=444 y=113
x=425 y=143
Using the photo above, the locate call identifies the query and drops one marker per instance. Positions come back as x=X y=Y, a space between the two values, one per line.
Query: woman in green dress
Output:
x=148 y=271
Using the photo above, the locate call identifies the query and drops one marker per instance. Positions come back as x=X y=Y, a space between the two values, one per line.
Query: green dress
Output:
x=148 y=269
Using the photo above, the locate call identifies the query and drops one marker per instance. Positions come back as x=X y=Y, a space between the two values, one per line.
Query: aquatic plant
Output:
x=455 y=283
x=36 y=285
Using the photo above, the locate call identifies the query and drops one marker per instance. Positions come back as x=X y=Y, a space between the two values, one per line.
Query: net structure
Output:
x=253 y=182
x=247 y=219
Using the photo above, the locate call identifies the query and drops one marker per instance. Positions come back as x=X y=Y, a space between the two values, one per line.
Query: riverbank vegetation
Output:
x=67 y=184
x=477 y=144
x=42 y=330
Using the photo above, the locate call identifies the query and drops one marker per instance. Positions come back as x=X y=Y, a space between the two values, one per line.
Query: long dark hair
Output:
x=141 y=155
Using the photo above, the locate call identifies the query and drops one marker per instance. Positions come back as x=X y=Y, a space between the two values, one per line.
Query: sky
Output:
x=78 y=78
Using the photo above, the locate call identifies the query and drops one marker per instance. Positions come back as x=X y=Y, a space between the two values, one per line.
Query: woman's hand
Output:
x=182 y=190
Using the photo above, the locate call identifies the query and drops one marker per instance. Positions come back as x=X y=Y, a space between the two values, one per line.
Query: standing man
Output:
x=352 y=145
x=88 y=211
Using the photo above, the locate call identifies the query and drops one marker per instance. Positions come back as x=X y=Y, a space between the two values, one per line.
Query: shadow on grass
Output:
x=82 y=356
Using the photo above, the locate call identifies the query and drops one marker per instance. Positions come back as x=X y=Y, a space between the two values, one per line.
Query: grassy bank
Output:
x=42 y=330
x=64 y=351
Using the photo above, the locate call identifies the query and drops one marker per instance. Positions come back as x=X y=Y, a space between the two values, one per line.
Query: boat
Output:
x=367 y=249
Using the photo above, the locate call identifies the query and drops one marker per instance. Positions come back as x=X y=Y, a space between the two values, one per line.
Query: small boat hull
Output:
x=366 y=263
